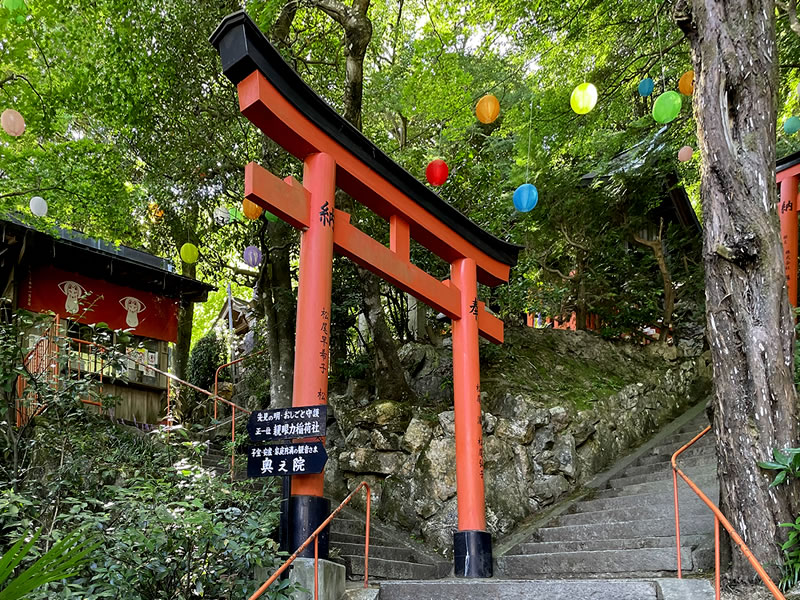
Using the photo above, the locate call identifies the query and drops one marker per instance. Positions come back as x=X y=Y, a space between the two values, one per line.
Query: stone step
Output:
x=690 y=525
x=381 y=568
x=376 y=551
x=482 y=589
x=654 y=487
x=598 y=561
x=666 y=451
x=689 y=541
x=700 y=460
x=693 y=473
x=709 y=452
x=633 y=513
x=349 y=538
x=351 y=526
x=684 y=437
x=686 y=498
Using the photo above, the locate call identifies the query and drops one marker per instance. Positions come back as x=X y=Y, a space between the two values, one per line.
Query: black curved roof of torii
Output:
x=251 y=50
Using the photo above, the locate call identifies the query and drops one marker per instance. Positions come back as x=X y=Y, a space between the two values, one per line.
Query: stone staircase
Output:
x=391 y=554
x=626 y=526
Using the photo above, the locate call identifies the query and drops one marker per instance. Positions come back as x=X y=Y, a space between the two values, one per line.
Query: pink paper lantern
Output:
x=12 y=122
x=685 y=154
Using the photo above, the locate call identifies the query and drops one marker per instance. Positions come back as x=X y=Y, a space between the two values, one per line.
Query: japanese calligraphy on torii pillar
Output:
x=335 y=154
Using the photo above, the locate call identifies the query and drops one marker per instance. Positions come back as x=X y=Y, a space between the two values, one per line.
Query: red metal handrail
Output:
x=718 y=518
x=315 y=536
x=233 y=362
x=233 y=409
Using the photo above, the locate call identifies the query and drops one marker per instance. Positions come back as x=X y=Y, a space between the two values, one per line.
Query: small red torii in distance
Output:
x=335 y=154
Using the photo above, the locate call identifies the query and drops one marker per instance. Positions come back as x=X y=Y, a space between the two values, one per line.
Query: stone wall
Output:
x=541 y=439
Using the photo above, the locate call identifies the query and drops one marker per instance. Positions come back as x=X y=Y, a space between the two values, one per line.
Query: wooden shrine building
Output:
x=86 y=281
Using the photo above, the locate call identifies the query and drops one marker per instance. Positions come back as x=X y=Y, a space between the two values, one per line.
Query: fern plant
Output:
x=62 y=561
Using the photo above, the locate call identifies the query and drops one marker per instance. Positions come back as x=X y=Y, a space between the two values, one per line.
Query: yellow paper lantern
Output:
x=189 y=253
x=251 y=210
x=584 y=98
x=686 y=83
x=488 y=109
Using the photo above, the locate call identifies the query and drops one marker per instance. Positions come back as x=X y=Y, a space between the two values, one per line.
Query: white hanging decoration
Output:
x=38 y=206
x=222 y=216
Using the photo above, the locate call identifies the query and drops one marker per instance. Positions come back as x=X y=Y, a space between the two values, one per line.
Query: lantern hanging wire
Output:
x=660 y=50
x=528 y=160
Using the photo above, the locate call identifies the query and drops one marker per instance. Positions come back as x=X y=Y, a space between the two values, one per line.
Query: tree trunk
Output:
x=749 y=319
x=580 y=296
x=390 y=380
x=276 y=304
x=657 y=246
x=185 y=317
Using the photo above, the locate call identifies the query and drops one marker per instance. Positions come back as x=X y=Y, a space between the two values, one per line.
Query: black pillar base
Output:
x=306 y=513
x=473 y=554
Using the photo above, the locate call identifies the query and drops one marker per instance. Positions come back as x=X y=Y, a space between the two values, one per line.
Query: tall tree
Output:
x=749 y=319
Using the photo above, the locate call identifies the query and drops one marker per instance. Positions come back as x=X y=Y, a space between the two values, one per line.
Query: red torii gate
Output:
x=336 y=154
x=788 y=178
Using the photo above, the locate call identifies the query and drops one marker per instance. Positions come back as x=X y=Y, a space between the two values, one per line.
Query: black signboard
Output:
x=287 y=423
x=286 y=459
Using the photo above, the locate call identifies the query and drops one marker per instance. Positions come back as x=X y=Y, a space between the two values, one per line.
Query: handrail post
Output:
x=366 y=538
x=677 y=520
x=316 y=567
x=716 y=558
x=233 y=439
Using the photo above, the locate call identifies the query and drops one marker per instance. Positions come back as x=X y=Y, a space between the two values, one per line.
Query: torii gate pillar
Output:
x=307 y=506
x=472 y=543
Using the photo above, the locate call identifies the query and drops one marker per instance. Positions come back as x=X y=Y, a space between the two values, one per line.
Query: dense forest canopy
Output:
x=126 y=106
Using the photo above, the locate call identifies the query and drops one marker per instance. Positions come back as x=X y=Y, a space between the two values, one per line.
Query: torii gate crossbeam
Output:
x=335 y=154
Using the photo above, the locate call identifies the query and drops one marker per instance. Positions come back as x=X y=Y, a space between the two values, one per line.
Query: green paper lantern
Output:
x=189 y=253
x=584 y=98
x=667 y=106
x=236 y=214
x=270 y=217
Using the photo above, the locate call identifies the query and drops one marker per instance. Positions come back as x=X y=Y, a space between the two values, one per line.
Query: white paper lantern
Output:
x=38 y=206
x=222 y=216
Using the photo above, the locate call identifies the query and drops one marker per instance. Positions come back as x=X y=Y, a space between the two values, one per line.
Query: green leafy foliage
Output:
x=791 y=553
x=786 y=463
x=207 y=355
x=62 y=561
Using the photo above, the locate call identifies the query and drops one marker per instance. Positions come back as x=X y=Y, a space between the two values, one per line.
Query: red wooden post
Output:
x=787 y=208
x=307 y=507
x=473 y=545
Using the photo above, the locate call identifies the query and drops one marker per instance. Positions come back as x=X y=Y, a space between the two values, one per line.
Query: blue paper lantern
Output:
x=252 y=256
x=791 y=125
x=646 y=87
x=525 y=197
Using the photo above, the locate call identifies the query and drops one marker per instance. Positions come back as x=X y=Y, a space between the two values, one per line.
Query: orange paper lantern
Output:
x=251 y=210
x=686 y=83
x=685 y=154
x=488 y=109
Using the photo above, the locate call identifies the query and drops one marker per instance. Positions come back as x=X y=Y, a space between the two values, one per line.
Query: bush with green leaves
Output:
x=207 y=355
x=167 y=528
x=787 y=464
